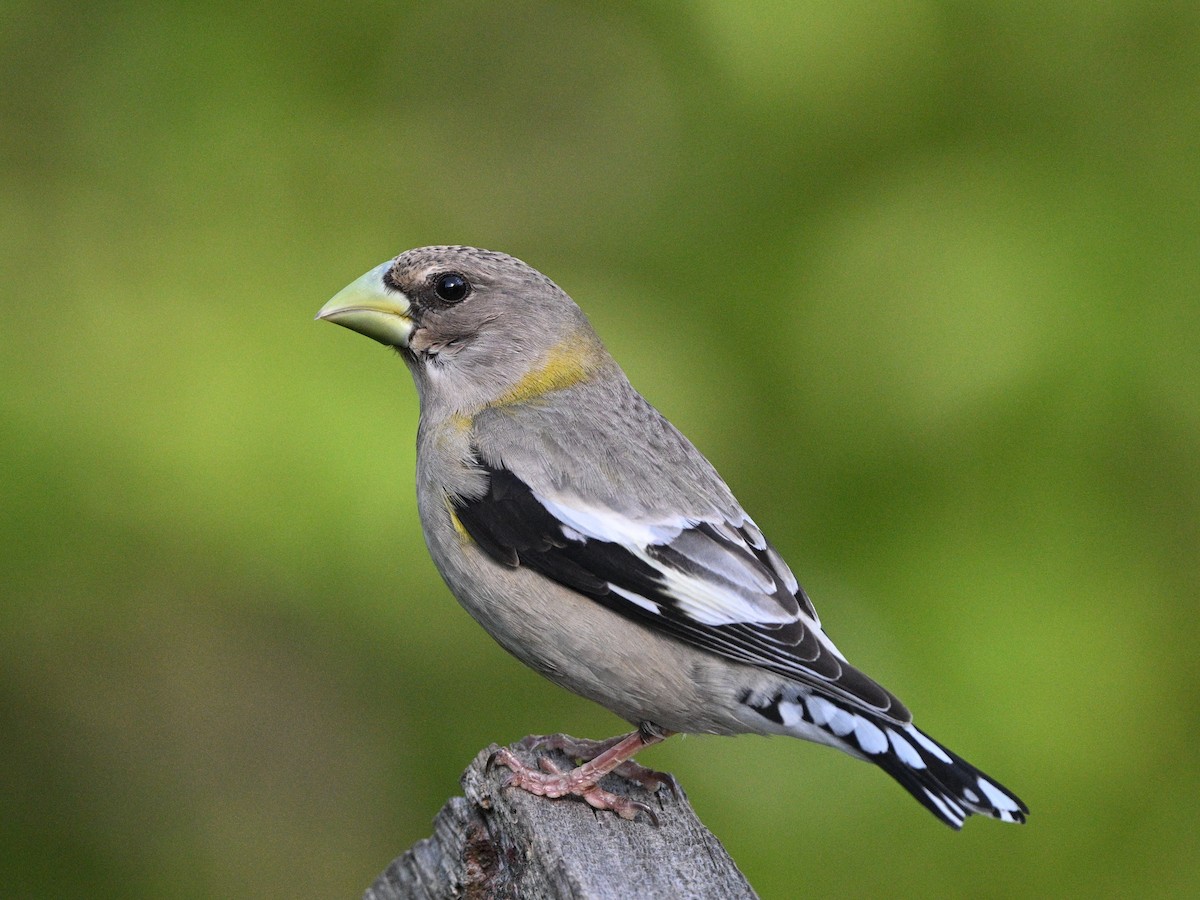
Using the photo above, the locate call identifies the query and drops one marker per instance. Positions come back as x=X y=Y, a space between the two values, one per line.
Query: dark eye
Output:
x=451 y=287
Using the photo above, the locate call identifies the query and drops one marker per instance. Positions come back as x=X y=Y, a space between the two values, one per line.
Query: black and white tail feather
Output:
x=944 y=783
x=717 y=584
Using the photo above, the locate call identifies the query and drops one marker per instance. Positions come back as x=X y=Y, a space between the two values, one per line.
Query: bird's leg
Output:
x=583 y=750
x=583 y=781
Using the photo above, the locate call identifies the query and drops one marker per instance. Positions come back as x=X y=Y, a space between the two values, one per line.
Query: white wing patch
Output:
x=604 y=525
x=709 y=603
x=635 y=599
x=705 y=601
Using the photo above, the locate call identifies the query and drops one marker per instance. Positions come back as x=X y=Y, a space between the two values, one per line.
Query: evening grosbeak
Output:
x=599 y=547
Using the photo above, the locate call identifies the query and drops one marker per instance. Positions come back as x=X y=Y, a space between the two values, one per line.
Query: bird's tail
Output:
x=944 y=783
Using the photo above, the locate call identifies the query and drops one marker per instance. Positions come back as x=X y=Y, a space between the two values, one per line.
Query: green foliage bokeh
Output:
x=921 y=279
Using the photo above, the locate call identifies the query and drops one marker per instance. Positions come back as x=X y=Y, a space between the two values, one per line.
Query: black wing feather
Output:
x=514 y=528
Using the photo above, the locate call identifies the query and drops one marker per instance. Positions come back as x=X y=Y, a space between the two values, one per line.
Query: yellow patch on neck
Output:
x=569 y=363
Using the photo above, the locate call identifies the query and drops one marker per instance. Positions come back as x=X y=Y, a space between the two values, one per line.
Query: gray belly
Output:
x=638 y=674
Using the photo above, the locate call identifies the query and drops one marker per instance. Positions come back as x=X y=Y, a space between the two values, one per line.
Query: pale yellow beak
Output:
x=371 y=307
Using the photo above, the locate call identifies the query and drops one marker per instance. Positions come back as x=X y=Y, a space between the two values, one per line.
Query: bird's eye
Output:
x=451 y=287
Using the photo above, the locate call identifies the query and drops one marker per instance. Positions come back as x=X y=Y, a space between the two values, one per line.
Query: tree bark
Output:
x=499 y=843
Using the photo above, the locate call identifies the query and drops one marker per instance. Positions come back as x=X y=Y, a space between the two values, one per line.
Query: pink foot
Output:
x=600 y=758
x=583 y=750
x=553 y=782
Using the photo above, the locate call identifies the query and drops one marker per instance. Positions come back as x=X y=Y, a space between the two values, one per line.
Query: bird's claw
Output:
x=551 y=781
x=648 y=779
x=503 y=757
x=581 y=750
x=493 y=759
x=627 y=809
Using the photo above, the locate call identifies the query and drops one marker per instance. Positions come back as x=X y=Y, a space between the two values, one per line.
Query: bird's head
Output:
x=477 y=328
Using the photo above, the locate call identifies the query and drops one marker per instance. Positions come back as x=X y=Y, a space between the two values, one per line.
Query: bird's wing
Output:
x=712 y=582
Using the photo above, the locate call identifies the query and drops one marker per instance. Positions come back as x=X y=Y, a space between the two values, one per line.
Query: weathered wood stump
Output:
x=499 y=843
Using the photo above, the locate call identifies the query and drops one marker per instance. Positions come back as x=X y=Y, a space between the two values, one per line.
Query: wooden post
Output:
x=507 y=843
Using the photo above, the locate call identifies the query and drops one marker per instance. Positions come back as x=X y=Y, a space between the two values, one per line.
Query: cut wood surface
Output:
x=497 y=842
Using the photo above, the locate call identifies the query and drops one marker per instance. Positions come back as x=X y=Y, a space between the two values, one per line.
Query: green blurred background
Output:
x=922 y=279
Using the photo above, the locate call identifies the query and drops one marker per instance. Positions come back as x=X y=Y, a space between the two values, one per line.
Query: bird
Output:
x=598 y=546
